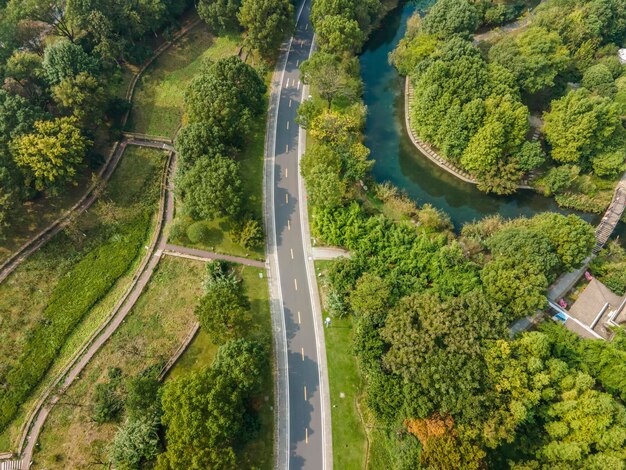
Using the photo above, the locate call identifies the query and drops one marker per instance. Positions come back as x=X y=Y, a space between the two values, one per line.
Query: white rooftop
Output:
x=622 y=55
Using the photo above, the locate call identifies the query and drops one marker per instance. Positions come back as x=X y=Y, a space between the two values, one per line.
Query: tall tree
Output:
x=50 y=156
x=329 y=76
x=267 y=23
x=220 y=15
x=212 y=188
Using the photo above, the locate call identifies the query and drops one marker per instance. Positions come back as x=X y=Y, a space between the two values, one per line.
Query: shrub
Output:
x=249 y=233
x=198 y=232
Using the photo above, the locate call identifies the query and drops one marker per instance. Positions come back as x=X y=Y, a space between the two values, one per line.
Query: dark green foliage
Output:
x=267 y=23
x=248 y=232
x=220 y=15
x=205 y=412
x=448 y=17
x=610 y=267
x=227 y=94
x=142 y=393
x=211 y=188
x=223 y=311
x=64 y=60
x=197 y=141
x=435 y=346
x=108 y=402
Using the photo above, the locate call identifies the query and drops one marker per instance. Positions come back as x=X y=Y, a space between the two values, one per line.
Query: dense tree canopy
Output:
x=226 y=94
x=50 y=156
x=267 y=23
x=220 y=15
x=211 y=188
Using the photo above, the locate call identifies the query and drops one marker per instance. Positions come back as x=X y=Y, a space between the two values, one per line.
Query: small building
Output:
x=622 y=55
x=595 y=312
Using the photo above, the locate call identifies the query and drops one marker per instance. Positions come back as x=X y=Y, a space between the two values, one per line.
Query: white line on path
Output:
x=291 y=253
x=299 y=319
x=302 y=354
x=287 y=125
x=295 y=281
x=305 y=393
x=287 y=198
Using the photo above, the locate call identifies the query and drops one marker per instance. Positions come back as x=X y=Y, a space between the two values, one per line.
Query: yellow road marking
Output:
x=299 y=319
x=306 y=435
x=302 y=354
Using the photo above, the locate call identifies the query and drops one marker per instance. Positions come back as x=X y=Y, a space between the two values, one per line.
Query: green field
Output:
x=260 y=452
x=157 y=107
x=153 y=330
x=64 y=291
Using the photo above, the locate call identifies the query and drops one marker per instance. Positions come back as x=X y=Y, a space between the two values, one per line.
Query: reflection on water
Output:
x=398 y=161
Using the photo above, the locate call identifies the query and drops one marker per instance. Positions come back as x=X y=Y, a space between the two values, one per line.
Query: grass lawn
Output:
x=150 y=334
x=159 y=95
x=69 y=269
x=349 y=438
x=260 y=452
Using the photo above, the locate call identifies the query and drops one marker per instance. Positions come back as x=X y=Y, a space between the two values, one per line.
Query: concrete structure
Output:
x=595 y=312
x=622 y=55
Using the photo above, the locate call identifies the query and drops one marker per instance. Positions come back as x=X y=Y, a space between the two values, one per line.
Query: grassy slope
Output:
x=258 y=453
x=158 y=100
x=349 y=438
x=24 y=295
x=152 y=332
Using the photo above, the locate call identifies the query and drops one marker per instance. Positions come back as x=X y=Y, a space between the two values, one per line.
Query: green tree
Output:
x=599 y=79
x=49 y=157
x=535 y=57
x=435 y=346
x=220 y=15
x=249 y=233
x=580 y=126
x=65 y=59
x=338 y=34
x=196 y=141
x=26 y=69
x=137 y=441
x=328 y=74
x=223 y=313
x=267 y=23
x=211 y=188
x=371 y=296
x=202 y=414
x=83 y=97
x=518 y=287
x=226 y=95
x=448 y=17
x=530 y=156
x=245 y=362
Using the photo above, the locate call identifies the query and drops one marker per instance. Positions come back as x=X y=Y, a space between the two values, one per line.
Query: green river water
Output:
x=399 y=162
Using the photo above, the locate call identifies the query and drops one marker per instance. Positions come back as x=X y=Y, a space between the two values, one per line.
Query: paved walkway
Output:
x=193 y=253
x=325 y=253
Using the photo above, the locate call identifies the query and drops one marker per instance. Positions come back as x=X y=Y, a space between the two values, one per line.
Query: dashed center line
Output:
x=286 y=172
x=290 y=103
x=295 y=281
x=306 y=435
x=287 y=125
x=288 y=225
x=291 y=249
x=305 y=393
x=302 y=354
x=287 y=148
x=299 y=319
x=286 y=198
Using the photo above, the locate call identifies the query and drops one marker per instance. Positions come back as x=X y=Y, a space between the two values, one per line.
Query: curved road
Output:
x=303 y=428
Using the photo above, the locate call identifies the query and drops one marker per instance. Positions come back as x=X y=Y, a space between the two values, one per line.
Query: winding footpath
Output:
x=303 y=421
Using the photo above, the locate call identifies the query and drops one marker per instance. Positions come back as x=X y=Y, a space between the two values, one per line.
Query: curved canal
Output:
x=399 y=162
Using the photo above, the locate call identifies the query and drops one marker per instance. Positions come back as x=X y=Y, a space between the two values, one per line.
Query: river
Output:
x=399 y=162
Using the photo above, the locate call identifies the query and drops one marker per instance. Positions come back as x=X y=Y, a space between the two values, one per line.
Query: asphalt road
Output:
x=306 y=449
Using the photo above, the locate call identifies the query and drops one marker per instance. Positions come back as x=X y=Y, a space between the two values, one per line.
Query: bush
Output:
x=249 y=233
x=198 y=232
